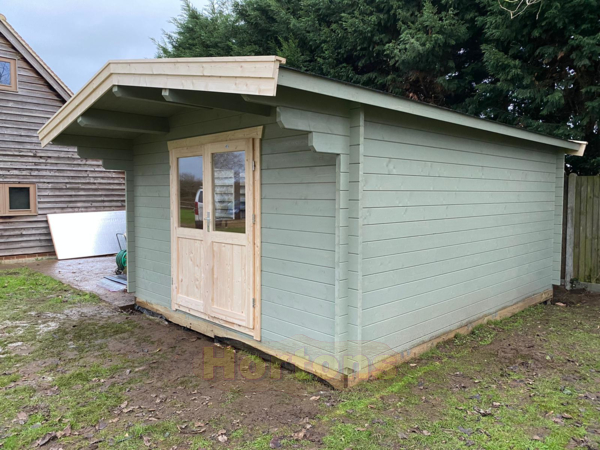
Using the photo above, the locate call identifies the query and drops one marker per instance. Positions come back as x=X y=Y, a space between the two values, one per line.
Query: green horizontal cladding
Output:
x=454 y=226
x=414 y=229
x=298 y=225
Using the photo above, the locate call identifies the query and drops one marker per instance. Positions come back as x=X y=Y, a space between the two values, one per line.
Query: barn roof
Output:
x=240 y=80
x=33 y=58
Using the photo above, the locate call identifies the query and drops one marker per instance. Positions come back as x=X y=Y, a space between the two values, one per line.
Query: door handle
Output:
x=207 y=221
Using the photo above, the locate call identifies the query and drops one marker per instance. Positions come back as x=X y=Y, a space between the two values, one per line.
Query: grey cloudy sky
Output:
x=76 y=37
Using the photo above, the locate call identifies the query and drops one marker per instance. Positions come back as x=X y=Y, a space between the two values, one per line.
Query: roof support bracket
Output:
x=118 y=121
x=327 y=133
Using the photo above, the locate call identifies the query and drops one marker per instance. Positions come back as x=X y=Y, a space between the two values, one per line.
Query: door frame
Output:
x=255 y=135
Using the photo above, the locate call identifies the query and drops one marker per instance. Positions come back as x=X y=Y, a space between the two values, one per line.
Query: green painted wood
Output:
x=118 y=121
x=303 y=207
x=312 y=121
x=465 y=296
x=304 y=158
x=559 y=210
x=307 y=320
x=413 y=335
x=377 y=199
x=398 y=166
x=429 y=227
x=441 y=253
x=230 y=102
x=302 y=271
x=399 y=214
x=473 y=153
x=388 y=104
x=298 y=301
x=382 y=280
x=292 y=222
x=299 y=191
x=382 y=182
x=298 y=218
x=434 y=286
x=452 y=227
x=316 y=257
x=130 y=229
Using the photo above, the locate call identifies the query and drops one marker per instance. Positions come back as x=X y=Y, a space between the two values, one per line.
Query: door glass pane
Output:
x=229 y=179
x=18 y=198
x=5 y=73
x=191 y=198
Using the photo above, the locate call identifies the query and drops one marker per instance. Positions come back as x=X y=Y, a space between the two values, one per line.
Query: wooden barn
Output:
x=333 y=226
x=35 y=182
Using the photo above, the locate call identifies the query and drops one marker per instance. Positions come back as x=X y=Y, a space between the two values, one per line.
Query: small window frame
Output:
x=5 y=200
x=13 y=87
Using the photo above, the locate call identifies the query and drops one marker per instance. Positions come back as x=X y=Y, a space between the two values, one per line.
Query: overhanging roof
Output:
x=359 y=94
x=249 y=76
x=32 y=58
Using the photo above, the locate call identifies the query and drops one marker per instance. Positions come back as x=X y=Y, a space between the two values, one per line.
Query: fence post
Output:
x=570 y=230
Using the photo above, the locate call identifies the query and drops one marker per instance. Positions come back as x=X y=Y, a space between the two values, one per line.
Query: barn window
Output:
x=8 y=74
x=18 y=199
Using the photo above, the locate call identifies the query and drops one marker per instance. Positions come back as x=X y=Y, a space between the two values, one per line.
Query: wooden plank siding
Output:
x=65 y=183
x=585 y=245
x=298 y=225
x=454 y=227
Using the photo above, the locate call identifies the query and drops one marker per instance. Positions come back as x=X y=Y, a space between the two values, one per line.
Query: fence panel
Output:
x=583 y=230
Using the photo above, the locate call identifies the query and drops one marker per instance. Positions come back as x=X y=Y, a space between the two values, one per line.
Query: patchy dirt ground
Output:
x=75 y=373
x=84 y=274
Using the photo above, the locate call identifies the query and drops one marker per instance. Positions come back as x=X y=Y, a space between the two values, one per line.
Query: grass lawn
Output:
x=76 y=374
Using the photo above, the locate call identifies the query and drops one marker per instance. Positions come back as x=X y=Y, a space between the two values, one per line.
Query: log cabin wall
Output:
x=65 y=182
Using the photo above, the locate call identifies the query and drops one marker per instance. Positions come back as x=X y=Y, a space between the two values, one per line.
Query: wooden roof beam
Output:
x=138 y=93
x=117 y=121
x=198 y=99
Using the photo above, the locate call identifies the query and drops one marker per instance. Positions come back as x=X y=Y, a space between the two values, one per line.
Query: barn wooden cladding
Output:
x=380 y=225
x=55 y=178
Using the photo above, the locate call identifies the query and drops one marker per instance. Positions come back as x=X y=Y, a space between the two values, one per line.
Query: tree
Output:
x=539 y=70
x=544 y=73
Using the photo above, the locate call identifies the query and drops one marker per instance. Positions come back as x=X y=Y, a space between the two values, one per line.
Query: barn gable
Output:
x=62 y=181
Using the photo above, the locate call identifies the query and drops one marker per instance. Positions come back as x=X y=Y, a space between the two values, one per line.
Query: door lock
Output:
x=208 y=221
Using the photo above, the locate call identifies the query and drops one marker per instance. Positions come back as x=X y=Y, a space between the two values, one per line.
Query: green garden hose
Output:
x=122 y=260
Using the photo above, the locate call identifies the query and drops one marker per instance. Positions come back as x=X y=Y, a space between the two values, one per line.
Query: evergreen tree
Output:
x=540 y=70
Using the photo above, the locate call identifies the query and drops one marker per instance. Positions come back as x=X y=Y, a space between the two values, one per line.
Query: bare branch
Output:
x=518 y=7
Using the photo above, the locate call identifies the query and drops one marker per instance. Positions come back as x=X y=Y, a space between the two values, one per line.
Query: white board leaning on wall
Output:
x=81 y=235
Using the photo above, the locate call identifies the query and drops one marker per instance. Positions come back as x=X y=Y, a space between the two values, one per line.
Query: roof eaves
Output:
x=254 y=75
x=319 y=84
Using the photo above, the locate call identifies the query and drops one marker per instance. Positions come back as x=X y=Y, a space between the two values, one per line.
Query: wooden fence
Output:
x=582 y=262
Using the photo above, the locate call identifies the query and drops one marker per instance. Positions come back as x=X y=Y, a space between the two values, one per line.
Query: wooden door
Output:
x=213 y=235
x=229 y=243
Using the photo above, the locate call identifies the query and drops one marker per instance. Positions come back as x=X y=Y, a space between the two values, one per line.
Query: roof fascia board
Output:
x=238 y=75
x=358 y=94
x=32 y=58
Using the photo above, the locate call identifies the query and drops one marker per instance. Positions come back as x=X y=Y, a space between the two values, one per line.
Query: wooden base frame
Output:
x=338 y=380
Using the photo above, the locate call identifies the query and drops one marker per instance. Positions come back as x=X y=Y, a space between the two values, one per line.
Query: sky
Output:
x=77 y=37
